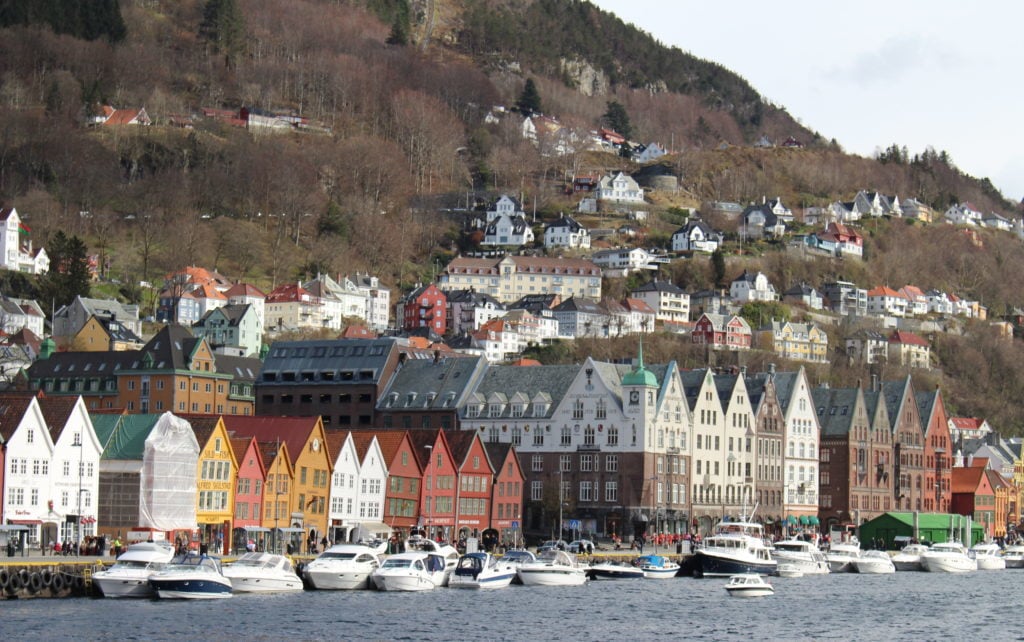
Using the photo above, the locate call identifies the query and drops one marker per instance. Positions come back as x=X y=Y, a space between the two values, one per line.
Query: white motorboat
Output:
x=735 y=548
x=129 y=576
x=909 y=557
x=987 y=556
x=417 y=543
x=191 y=576
x=517 y=557
x=553 y=568
x=947 y=557
x=262 y=573
x=874 y=562
x=343 y=567
x=1013 y=555
x=482 y=571
x=801 y=554
x=788 y=570
x=840 y=556
x=419 y=571
x=749 y=585
x=615 y=571
x=657 y=567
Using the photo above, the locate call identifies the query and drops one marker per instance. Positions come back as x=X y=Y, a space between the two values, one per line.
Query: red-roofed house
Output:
x=506 y=492
x=1005 y=506
x=424 y=307
x=405 y=485
x=475 y=476
x=641 y=315
x=968 y=428
x=884 y=301
x=917 y=301
x=839 y=239
x=290 y=306
x=498 y=340
x=723 y=332
x=109 y=116
x=440 y=476
x=908 y=349
x=252 y=474
x=974 y=496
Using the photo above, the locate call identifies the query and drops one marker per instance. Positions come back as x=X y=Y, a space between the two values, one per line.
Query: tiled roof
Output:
x=13 y=407
x=293 y=431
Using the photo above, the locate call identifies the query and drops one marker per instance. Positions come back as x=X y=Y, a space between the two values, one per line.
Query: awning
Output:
x=26 y=522
x=255 y=529
x=373 y=527
x=804 y=520
x=292 y=529
x=814 y=520
x=791 y=520
x=13 y=527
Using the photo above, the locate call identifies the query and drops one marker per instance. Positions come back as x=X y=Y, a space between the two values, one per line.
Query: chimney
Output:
x=874 y=383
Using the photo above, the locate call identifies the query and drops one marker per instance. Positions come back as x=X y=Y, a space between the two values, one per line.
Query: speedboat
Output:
x=802 y=554
x=191 y=576
x=909 y=557
x=417 y=571
x=749 y=585
x=1013 y=555
x=734 y=548
x=417 y=543
x=516 y=558
x=483 y=571
x=614 y=571
x=987 y=557
x=129 y=576
x=789 y=570
x=553 y=568
x=343 y=567
x=657 y=567
x=841 y=554
x=874 y=562
x=947 y=557
x=262 y=573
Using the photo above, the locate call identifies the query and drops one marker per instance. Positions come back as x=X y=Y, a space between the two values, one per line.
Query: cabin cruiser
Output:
x=483 y=571
x=553 y=568
x=129 y=576
x=1013 y=555
x=417 y=571
x=789 y=570
x=801 y=554
x=191 y=576
x=840 y=555
x=657 y=567
x=987 y=556
x=262 y=573
x=734 y=548
x=343 y=567
x=417 y=543
x=517 y=557
x=749 y=585
x=615 y=571
x=909 y=557
x=874 y=562
x=947 y=557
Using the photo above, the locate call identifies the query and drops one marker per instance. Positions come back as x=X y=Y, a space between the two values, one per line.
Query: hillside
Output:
x=390 y=99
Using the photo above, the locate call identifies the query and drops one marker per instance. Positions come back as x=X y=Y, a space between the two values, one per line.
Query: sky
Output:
x=939 y=73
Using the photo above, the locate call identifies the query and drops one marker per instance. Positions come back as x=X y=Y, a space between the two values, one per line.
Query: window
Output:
x=611 y=491
x=577 y=409
x=536 y=491
x=585 y=491
x=589 y=435
x=611 y=463
x=565 y=463
x=613 y=436
x=537 y=463
x=586 y=463
x=566 y=436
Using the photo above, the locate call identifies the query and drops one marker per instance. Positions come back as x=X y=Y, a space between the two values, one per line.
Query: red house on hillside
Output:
x=973 y=495
x=424 y=307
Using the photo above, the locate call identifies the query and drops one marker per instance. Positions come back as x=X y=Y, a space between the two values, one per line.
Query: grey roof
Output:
x=893 y=392
x=431 y=384
x=785 y=384
x=233 y=313
x=519 y=224
x=835 y=408
x=348 y=360
x=659 y=286
x=531 y=381
x=572 y=304
x=865 y=334
x=534 y=302
x=565 y=221
x=801 y=289
x=770 y=218
x=474 y=298
x=695 y=223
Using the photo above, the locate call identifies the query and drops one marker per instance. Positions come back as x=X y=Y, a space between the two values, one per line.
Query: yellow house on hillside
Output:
x=797 y=341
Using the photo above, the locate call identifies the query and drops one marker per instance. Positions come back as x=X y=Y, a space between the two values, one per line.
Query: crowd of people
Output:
x=92 y=545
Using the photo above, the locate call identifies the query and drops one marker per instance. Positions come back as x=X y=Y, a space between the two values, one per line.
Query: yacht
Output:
x=517 y=557
x=1014 y=556
x=947 y=557
x=262 y=573
x=987 y=556
x=343 y=567
x=129 y=576
x=909 y=557
x=841 y=555
x=553 y=568
x=734 y=548
x=417 y=543
x=615 y=571
x=749 y=585
x=191 y=576
x=657 y=567
x=417 y=571
x=483 y=571
x=874 y=563
x=802 y=555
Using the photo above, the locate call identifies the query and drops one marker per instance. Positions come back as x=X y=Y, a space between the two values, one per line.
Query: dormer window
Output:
x=494 y=410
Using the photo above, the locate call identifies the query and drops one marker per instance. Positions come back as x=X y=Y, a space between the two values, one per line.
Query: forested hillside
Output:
x=392 y=97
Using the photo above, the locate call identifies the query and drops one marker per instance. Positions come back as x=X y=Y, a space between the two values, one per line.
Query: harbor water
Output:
x=904 y=606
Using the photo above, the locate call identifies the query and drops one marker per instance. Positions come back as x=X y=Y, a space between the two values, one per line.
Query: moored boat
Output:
x=482 y=571
x=553 y=568
x=343 y=567
x=516 y=558
x=418 y=543
x=789 y=570
x=657 y=567
x=191 y=576
x=749 y=585
x=262 y=573
x=801 y=554
x=614 y=571
x=129 y=576
x=987 y=556
x=947 y=557
x=909 y=557
x=417 y=571
x=874 y=563
x=735 y=548
x=1014 y=556
x=840 y=556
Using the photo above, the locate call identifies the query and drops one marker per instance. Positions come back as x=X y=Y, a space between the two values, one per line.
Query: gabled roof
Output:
x=885 y=291
x=124 y=436
x=240 y=446
x=244 y=290
x=660 y=286
x=56 y=412
x=967 y=480
x=13 y=407
x=907 y=338
x=432 y=384
x=233 y=313
x=835 y=409
x=293 y=431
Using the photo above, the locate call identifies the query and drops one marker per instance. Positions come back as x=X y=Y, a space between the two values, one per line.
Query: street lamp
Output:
x=561 y=499
x=430 y=489
x=654 y=502
x=78 y=527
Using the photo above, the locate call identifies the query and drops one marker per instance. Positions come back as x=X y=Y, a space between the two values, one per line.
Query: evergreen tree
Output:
x=69 y=271
x=717 y=267
x=617 y=119
x=223 y=26
x=399 y=34
x=529 y=100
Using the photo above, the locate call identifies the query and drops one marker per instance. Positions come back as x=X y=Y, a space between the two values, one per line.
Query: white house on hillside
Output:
x=566 y=232
x=506 y=224
x=16 y=245
x=619 y=189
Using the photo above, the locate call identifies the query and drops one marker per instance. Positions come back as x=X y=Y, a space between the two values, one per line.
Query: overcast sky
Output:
x=939 y=73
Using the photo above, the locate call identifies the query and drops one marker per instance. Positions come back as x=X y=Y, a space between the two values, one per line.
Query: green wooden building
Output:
x=896 y=529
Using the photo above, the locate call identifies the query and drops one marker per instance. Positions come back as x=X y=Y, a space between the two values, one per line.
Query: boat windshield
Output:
x=257 y=560
x=518 y=556
x=337 y=556
x=397 y=562
x=121 y=565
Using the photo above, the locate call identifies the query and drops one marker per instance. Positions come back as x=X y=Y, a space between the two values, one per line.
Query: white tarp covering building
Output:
x=168 y=489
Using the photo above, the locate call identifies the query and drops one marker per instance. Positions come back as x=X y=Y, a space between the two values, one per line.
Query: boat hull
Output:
x=191 y=589
x=747 y=591
x=552 y=577
x=665 y=573
x=404 y=583
x=907 y=564
x=990 y=563
x=712 y=565
x=265 y=584
x=500 y=580
x=335 y=581
x=1014 y=561
x=873 y=567
x=948 y=564
x=615 y=572
x=125 y=586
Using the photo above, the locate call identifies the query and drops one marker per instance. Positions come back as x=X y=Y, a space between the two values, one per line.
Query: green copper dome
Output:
x=640 y=376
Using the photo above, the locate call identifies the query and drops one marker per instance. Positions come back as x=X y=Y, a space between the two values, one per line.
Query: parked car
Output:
x=581 y=546
x=553 y=544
